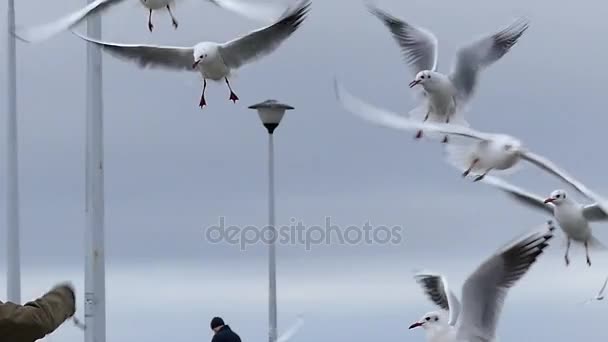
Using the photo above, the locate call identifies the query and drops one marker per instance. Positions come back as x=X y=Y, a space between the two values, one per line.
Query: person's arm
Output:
x=45 y=314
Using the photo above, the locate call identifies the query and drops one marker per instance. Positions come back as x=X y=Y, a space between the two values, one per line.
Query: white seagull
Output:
x=446 y=96
x=258 y=11
x=483 y=293
x=214 y=61
x=489 y=152
x=600 y=294
x=573 y=217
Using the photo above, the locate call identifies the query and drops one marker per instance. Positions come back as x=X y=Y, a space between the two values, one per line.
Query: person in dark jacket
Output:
x=223 y=333
x=36 y=319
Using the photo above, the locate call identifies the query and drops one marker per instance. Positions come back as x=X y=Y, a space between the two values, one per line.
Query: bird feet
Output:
x=588 y=262
x=478 y=178
x=150 y=26
x=203 y=103
x=175 y=24
x=567 y=260
x=445 y=139
x=466 y=173
x=418 y=135
x=233 y=97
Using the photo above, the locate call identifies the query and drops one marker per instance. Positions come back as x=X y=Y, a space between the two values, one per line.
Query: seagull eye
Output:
x=428 y=318
x=429 y=76
x=422 y=76
x=436 y=319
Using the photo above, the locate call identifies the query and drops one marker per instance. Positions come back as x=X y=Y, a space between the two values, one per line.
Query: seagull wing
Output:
x=436 y=288
x=482 y=53
x=392 y=120
x=419 y=46
x=289 y=333
x=519 y=194
x=262 y=42
x=550 y=167
x=149 y=56
x=46 y=31
x=593 y=212
x=484 y=292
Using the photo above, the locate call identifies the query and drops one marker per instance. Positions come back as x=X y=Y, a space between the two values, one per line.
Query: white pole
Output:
x=13 y=276
x=95 y=301
x=272 y=264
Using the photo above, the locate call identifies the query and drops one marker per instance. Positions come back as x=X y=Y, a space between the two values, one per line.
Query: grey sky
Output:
x=172 y=170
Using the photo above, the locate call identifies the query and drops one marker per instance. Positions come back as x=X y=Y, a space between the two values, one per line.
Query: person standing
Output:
x=222 y=332
x=38 y=318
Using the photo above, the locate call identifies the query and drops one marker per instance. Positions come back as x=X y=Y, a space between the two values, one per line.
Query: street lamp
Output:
x=271 y=112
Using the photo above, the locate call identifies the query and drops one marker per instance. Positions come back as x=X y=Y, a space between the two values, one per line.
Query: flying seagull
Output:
x=214 y=61
x=483 y=293
x=258 y=11
x=446 y=95
x=573 y=217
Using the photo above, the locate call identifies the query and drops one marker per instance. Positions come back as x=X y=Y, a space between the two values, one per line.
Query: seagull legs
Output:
x=419 y=133
x=587 y=254
x=233 y=96
x=566 y=255
x=203 y=103
x=466 y=173
x=173 y=20
x=480 y=177
x=447 y=121
x=150 y=26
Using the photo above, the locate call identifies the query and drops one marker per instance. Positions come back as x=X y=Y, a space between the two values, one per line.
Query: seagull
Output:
x=600 y=294
x=214 y=61
x=447 y=95
x=256 y=11
x=489 y=152
x=483 y=293
x=572 y=216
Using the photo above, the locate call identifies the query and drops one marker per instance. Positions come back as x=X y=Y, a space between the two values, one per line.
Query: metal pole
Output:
x=95 y=310
x=13 y=276
x=272 y=264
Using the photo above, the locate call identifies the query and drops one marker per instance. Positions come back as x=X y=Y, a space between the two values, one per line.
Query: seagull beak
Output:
x=549 y=200
x=195 y=64
x=415 y=325
x=414 y=83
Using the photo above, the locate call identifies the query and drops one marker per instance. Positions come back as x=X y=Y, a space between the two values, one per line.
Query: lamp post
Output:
x=271 y=112
x=13 y=269
x=94 y=281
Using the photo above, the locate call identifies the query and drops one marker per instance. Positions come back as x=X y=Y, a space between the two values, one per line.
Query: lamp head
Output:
x=271 y=112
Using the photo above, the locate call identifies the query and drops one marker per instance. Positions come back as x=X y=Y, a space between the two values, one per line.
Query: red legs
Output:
x=150 y=26
x=447 y=121
x=203 y=103
x=480 y=177
x=566 y=255
x=173 y=20
x=587 y=254
x=466 y=173
x=233 y=96
x=419 y=133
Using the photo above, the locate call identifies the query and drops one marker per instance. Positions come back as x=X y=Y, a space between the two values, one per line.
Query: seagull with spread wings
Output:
x=214 y=61
x=446 y=96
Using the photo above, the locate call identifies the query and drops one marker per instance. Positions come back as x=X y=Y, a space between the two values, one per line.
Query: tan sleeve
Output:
x=42 y=316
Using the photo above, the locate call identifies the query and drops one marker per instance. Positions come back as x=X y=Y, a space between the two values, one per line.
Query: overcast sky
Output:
x=172 y=170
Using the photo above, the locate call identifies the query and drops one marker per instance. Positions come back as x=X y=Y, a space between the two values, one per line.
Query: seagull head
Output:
x=431 y=321
x=201 y=52
x=425 y=78
x=556 y=197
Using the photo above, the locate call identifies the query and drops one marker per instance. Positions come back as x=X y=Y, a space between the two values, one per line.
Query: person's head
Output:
x=217 y=323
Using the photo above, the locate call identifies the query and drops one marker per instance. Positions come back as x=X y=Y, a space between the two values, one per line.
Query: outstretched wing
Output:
x=40 y=33
x=484 y=292
x=519 y=194
x=482 y=53
x=419 y=46
x=436 y=288
x=262 y=42
x=149 y=56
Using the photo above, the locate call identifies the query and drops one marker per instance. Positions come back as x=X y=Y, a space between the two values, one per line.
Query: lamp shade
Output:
x=271 y=112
